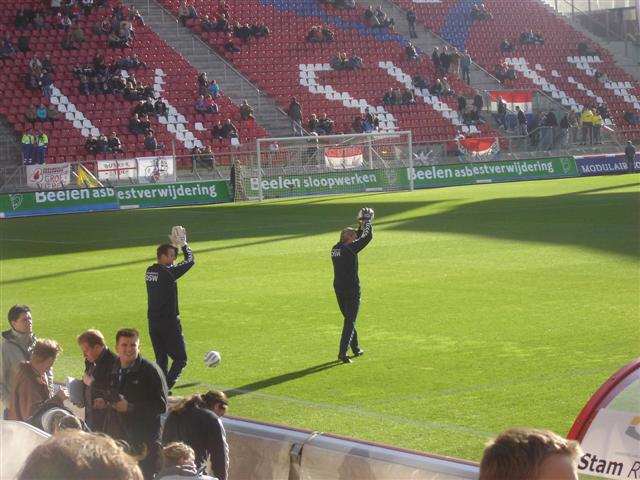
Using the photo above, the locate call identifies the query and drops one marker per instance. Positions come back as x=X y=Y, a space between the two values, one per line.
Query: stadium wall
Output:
x=359 y=181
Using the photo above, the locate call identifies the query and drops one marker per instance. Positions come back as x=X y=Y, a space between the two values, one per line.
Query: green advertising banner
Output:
x=510 y=170
x=58 y=201
x=334 y=182
x=165 y=194
x=96 y=199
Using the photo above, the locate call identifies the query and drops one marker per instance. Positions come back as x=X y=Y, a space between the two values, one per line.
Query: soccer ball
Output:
x=212 y=359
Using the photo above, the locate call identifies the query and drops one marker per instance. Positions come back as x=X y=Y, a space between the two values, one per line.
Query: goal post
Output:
x=328 y=164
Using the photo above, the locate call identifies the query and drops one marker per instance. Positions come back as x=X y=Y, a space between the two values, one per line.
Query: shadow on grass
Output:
x=277 y=380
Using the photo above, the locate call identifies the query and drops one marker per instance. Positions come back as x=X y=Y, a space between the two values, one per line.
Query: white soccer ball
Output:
x=212 y=359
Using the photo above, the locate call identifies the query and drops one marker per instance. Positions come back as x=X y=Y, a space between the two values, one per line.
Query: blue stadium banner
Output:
x=612 y=164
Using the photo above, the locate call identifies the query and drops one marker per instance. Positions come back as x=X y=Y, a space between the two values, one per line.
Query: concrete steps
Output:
x=232 y=83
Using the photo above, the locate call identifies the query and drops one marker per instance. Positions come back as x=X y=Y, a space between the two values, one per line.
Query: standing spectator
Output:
x=530 y=454
x=74 y=454
x=462 y=104
x=15 y=347
x=344 y=256
x=522 y=122
x=445 y=60
x=203 y=82
x=178 y=463
x=31 y=388
x=411 y=20
x=98 y=364
x=597 y=126
x=42 y=143
x=465 y=64
x=295 y=114
x=456 y=59
x=572 y=118
x=163 y=314
x=196 y=421
x=478 y=102
x=435 y=58
x=630 y=155
x=28 y=146
x=138 y=394
x=586 y=119
x=246 y=111
x=501 y=116
x=563 y=137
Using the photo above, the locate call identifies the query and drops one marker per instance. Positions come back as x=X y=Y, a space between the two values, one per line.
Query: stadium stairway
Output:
x=10 y=150
x=427 y=40
x=205 y=59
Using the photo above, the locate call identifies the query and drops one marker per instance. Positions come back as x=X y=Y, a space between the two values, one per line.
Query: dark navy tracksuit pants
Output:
x=349 y=303
x=168 y=342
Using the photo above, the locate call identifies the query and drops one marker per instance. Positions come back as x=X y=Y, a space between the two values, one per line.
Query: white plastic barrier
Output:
x=17 y=440
x=268 y=451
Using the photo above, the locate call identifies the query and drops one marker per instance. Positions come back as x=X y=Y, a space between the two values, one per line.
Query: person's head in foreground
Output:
x=530 y=454
x=77 y=455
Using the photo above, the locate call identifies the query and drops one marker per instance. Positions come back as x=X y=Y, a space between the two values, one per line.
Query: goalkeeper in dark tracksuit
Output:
x=346 y=283
x=165 y=328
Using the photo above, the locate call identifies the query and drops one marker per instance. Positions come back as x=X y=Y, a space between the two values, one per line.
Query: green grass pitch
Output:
x=484 y=307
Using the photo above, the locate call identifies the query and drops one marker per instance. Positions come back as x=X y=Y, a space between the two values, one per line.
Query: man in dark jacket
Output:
x=630 y=155
x=346 y=282
x=196 y=421
x=138 y=394
x=165 y=328
x=98 y=364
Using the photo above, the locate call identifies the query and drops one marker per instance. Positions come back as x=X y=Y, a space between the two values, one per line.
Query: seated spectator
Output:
x=103 y=27
x=242 y=31
x=480 y=12
x=370 y=18
x=506 y=46
x=68 y=43
x=208 y=25
x=47 y=65
x=64 y=22
x=183 y=12
x=52 y=113
x=531 y=38
x=314 y=35
x=223 y=24
x=229 y=129
x=38 y=21
x=31 y=114
x=246 y=111
x=84 y=86
x=358 y=124
x=229 y=46
x=522 y=453
x=213 y=88
x=102 y=144
x=389 y=97
x=339 y=62
x=446 y=87
x=419 y=82
x=500 y=72
x=193 y=14
x=41 y=113
x=77 y=35
x=22 y=20
x=601 y=77
x=407 y=97
x=90 y=145
x=135 y=125
x=210 y=105
x=74 y=454
x=23 y=44
x=7 y=51
x=178 y=461
x=354 y=62
x=260 y=30
x=437 y=88
x=510 y=72
x=585 y=50
x=326 y=124
x=327 y=34
x=150 y=142
x=115 y=41
x=371 y=121
x=30 y=387
x=345 y=4
x=217 y=131
x=603 y=110
x=130 y=91
x=313 y=123
x=114 y=144
x=383 y=19
x=160 y=107
x=410 y=50
x=200 y=106
x=145 y=124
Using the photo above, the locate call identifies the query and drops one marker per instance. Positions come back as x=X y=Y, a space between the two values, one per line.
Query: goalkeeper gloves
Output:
x=365 y=214
x=178 y=236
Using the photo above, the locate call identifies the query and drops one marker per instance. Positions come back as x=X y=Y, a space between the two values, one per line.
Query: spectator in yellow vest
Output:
x=27 y=141
x=42 y=142
x=586 y=120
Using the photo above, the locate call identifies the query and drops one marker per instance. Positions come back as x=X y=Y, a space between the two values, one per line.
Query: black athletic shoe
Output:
x=344 y=359
x=358 y=353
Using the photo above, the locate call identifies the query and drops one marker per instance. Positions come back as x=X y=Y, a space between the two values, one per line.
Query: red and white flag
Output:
x=343 y=157
x=484 y=148
x=513 y=99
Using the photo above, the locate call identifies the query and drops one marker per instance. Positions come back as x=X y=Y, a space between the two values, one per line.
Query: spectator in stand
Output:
x=370 y=18
x=446 y=87
x=178 y=462
x=345 y=4
x=630 y=155
x=150 y=142
x=102 y=144
x=632 y=118
x=199 y=105
x=465 y=64
x=46 y=82
x=41 y=113
x=597 y=127
x=52 y=113
x=47 y=65
x=115 y=145
x=480 y=12
x=445 y=60
x=98 y=364
x=31 y=113
x=435 y=59
x=585 y=50
x=213 y=88
x=184 y=12
x=339 y=62
x=314 y=35
x=210 y=105
x=574 y=123
x=358 y=124
x=246 y=111
x=41 y=144
x=196 y=421
x=326 y=124
x=419 y=82
x=77 y=35
x=74 y=455
x=145 y=124
x=38 y=22
x=217 y=131
x=522 y=122
x=531 y=38
x=389 y=97
x=411 y=52
x=229 y=46
x=462 y=104
x=229 y=130
x=160 y=107
x=563 y=135
x=530 y=454
x=64 y=22
x=313 y=123
x=354 y=62
x=137 y=394
x=294 y=110
x=411 y=21
x=90 y=145
x=456 y=59
x=502 y=113
x=208 y=25
x=407 y=97
x=371 y=121
x=243 y=32
x=327 y=34
x=8 y=51
x=603 y=110
x=31 y=388
x=506 y=46
x=586 y=120
x=437 y=88
x=383 y=19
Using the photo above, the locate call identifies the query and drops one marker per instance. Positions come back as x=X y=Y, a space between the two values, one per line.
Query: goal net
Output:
x=316 y=165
